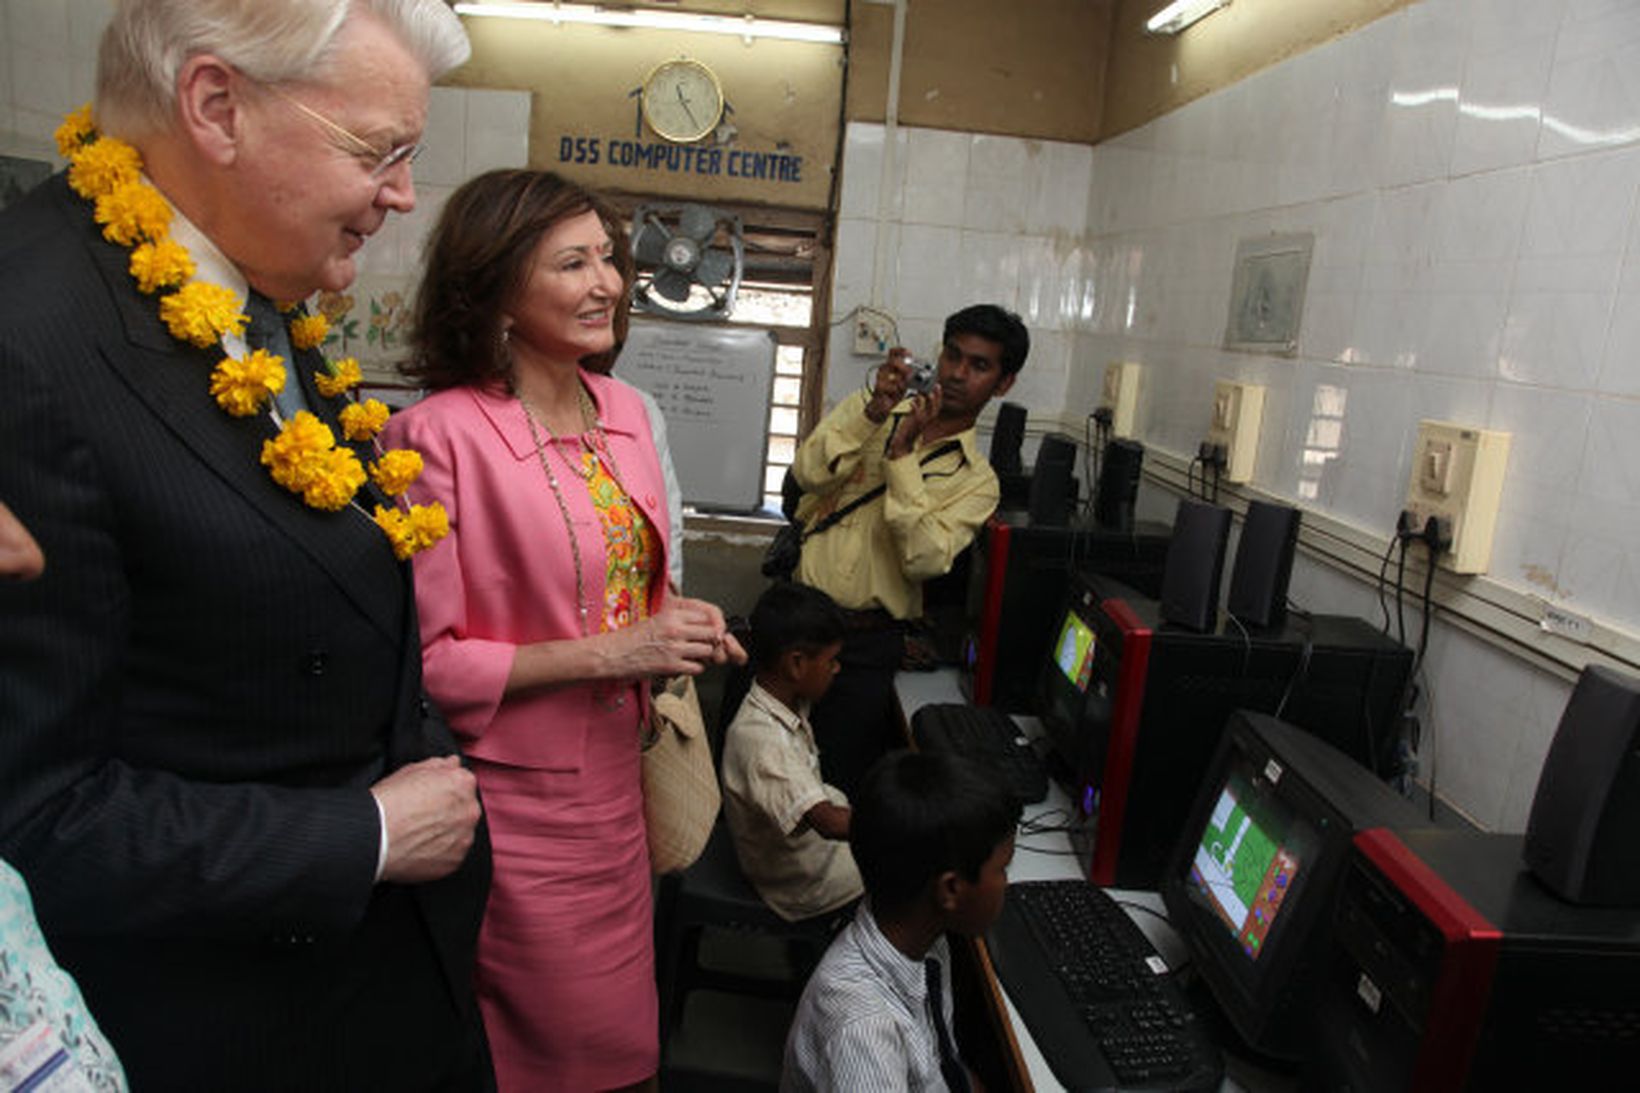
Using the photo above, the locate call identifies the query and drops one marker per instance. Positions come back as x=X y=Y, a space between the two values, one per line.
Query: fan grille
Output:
x=689 y=260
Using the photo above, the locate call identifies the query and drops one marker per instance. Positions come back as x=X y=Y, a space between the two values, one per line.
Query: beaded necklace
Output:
x=599 y=445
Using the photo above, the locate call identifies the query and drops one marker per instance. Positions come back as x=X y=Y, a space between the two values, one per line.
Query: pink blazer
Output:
x=504 y=576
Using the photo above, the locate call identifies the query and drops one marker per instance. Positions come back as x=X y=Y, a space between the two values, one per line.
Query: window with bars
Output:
x=777 y=307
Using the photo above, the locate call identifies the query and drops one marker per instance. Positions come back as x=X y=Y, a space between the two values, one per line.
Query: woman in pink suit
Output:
x=545 y=613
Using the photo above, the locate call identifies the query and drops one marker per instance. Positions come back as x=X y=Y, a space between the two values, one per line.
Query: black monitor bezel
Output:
x=1055 y=692
x=1251 y=992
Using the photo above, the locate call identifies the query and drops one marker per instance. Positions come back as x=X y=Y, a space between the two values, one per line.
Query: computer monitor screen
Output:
x=1073 y=652
x=1249 y=858
x=1251 y=880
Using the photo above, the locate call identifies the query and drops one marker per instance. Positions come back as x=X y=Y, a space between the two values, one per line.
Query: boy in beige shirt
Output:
x=790 y=828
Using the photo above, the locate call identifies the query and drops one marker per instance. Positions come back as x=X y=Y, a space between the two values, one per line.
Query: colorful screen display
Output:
x=1243 y=868
x=1074 y=650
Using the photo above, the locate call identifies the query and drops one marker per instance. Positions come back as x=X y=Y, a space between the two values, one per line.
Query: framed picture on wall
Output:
x=1267 y=294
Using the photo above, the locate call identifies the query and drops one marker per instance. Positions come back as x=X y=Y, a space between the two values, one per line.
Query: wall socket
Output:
x=1238 y=408
x=873 y=333
x=1457 y=473
x=1121 y=396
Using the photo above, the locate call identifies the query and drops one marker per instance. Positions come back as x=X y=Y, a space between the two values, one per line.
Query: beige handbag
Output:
x=680 y=787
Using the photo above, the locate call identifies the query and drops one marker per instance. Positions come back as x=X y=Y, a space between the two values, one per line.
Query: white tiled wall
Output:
x=48 y=62
x=966 y=217
x=1470 y=170
x=469 y=131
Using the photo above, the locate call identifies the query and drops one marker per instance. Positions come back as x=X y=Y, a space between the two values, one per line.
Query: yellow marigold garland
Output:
x=395 y=470
x=243 y=385
x=77 y=130
x=199 y=313
x=339 y=477
x=101 y=167
x=293 y=456
x=162 y=264
x=415 y=530
x=304 y=457
x=308 y=331
x=344 y=375
x=363 y=420
x=133 y=212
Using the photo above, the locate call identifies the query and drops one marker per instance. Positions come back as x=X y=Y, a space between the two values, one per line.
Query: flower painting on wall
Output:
x=371 y=322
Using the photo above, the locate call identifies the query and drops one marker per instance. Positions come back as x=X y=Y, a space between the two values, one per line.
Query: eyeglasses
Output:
x=380 y=162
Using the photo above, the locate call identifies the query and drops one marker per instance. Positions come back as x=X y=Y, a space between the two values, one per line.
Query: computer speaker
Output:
x=1118 y=484
x=1581 y=836
x=1053 y=486
x=1264 y=564
x=1007 y=437
x=1195 y=565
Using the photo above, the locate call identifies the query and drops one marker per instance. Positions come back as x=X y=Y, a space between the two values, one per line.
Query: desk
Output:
x=1049 y=856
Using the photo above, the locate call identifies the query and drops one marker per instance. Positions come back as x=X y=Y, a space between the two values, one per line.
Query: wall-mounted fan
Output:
x=689 y=260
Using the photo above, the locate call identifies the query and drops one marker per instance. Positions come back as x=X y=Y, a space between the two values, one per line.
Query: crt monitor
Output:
x=1074 y=691
x=1017 y=583
x=1251 y=882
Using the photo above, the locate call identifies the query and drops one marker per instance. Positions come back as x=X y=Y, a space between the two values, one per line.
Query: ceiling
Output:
x=808 y=11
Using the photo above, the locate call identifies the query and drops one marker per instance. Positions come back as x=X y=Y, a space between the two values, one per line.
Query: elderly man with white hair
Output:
x=246 y=832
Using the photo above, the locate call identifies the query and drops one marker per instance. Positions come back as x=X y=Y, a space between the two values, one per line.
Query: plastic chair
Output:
x=714 y=894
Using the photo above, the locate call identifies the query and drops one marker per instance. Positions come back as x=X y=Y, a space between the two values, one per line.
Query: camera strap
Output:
x=831 y=519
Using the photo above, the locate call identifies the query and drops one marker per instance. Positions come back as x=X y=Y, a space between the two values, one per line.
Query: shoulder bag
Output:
x=680 y=786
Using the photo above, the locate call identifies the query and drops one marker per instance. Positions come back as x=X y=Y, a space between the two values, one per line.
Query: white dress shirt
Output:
x=864 y=1021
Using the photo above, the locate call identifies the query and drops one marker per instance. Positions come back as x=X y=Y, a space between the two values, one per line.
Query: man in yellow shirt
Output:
x=928 y=490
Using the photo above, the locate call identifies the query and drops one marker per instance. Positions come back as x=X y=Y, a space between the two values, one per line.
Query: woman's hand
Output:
x=681 y=639
x=729 y=650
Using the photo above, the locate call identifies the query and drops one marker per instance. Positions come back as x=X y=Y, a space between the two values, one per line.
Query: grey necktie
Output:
x=266 y=331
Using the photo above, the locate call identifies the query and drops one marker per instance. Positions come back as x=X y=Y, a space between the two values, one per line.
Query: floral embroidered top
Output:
x=630 y=547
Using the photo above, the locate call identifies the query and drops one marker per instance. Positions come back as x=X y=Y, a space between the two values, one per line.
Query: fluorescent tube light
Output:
x=743 y=26
x=1173 y=18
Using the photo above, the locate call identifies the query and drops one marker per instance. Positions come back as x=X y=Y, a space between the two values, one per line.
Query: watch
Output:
x=682 y=100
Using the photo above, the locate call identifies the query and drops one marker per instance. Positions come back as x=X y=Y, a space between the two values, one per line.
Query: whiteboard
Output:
x=713 y=385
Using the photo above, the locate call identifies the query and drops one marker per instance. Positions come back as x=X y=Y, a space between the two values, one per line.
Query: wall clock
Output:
x=682 y=100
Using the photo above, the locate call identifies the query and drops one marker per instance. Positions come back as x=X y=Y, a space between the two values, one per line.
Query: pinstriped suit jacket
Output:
x=193 y=702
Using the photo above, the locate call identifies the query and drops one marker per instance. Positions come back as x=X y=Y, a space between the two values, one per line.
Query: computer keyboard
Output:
x=1094 y=992
x=987 y=735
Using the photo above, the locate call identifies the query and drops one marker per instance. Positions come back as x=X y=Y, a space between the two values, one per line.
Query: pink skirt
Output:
x=566 y=961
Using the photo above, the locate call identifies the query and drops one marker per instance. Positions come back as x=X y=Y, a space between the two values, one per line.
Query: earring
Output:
x=503 y=354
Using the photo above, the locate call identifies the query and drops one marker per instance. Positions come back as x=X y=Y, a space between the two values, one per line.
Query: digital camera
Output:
x=923 y=375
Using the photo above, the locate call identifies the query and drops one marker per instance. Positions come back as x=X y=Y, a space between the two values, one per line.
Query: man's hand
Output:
x=890 y=385
x=924 y=409
x=432 y=810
